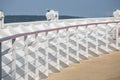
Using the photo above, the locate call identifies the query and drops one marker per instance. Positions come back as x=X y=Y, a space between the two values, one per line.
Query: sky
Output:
x=81 y=8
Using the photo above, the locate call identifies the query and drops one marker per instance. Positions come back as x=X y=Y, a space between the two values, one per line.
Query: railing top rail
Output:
x=53 y=29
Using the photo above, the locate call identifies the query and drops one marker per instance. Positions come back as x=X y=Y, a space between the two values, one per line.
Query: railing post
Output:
x=87 y=46
x=106 y=33
x=0 y=61
x=26 y=57
x=13 y=61
x=117 y=36
x=97 y=44
x=36 y=57
x=77 y=44
x=67 y=37
x=46 y=54
x=58 y=51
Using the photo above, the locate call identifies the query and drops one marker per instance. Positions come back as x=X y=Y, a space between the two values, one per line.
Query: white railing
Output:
x=31 y=55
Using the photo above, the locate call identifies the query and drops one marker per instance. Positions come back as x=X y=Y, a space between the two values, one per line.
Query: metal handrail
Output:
x=48 y=30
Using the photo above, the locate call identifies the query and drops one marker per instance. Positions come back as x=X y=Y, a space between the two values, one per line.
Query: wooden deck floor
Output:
x=104 y=67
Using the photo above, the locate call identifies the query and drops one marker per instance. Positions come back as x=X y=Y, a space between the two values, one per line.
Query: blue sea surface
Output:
x=26 y=18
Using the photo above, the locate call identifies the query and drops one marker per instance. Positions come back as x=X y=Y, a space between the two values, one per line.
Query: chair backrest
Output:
x=1 y=20
x=116 y=13
x=1 y=14
x=52 y=15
